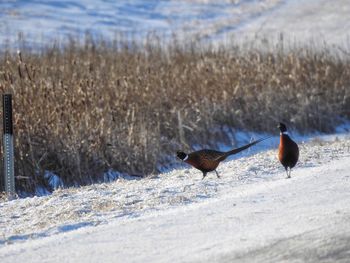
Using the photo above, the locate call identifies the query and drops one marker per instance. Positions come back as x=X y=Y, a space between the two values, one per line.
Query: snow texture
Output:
x=253 y=213
x=42 y=22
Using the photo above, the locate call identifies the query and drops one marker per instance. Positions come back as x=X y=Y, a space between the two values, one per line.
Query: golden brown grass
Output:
x=86 y=108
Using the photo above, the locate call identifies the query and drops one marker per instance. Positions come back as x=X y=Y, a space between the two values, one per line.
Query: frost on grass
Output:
x=70 y=209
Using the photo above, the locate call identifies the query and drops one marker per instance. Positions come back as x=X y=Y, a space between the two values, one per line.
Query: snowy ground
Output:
x=252 y=214
x=300 y=21
x=312 y=22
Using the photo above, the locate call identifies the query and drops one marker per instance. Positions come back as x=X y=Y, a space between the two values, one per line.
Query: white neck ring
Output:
x=186 y=157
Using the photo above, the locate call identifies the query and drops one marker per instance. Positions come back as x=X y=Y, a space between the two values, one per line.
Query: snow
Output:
x=314 y=22
x=42 y=22
x=252 y=214
x=46 y=20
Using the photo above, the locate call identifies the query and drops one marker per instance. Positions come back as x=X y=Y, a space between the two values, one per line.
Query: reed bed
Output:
x=84 y=108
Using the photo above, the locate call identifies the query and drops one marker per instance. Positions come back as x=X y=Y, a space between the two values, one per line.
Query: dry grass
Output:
x=86 y=108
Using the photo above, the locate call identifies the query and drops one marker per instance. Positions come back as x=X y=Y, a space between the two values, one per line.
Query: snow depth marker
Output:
x=8 y=144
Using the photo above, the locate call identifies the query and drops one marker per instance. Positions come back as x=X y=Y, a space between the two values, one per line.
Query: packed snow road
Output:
x=252 y=214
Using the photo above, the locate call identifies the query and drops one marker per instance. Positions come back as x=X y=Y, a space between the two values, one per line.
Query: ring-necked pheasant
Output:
x=208 y=160
x=288 y=150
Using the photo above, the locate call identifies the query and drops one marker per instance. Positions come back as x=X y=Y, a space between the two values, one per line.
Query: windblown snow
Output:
x=253 y=213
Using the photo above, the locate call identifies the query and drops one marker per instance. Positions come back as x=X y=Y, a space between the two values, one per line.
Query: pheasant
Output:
x=288 y=150
x=208 y=160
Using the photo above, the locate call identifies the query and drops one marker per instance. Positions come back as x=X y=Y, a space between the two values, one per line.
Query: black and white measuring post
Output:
x=8 y=145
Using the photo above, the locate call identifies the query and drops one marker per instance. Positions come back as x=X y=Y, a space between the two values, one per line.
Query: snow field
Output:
x=314 y=22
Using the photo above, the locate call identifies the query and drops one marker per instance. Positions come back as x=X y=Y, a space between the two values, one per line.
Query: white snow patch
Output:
x=53 y=179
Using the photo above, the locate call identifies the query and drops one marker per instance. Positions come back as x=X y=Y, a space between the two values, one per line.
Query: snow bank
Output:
x=253 y=212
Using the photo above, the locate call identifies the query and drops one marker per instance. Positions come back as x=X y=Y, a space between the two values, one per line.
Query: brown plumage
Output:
x=208 y=160
x=288 y=150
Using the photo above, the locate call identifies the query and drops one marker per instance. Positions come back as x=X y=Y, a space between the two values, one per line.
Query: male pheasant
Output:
x=288 y=150
x=208 y=160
